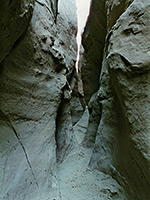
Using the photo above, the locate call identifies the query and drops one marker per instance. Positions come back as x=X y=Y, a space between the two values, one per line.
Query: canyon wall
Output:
x=118 y=129
x=58 y=140
x=38 y=52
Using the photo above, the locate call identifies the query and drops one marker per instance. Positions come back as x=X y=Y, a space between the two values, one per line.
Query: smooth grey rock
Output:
x=53 y=146
x=93 y=40
x=79 y=182
x=122 y=141
x=129 y=66
x=32 y=80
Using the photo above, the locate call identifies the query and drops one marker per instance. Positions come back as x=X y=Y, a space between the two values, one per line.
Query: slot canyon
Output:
x=74 y=118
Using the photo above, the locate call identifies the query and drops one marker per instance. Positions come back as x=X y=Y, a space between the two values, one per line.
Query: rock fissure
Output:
x=21 y=144
x=25 y=153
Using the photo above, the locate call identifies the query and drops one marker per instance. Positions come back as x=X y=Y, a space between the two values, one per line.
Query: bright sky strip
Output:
x=83 y=7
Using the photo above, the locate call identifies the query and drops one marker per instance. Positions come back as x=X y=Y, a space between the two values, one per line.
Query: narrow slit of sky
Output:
x=83 y=7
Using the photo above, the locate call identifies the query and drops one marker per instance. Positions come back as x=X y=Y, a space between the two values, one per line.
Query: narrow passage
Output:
x=83 y=8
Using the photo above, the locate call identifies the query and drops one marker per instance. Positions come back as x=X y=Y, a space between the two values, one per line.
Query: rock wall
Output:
x=93 y=42
x=37 y=55
x=56 y=143
x=128 y=66
x=15 y=17
x=118 y=128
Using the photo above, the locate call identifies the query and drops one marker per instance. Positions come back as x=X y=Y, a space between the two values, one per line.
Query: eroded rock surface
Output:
x=121 y=136
x=128 y=64
x=93 y=40
x=55 y=143
x=32 y=78
x=15 y=17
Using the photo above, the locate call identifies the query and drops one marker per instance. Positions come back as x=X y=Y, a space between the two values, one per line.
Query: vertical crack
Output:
x=20 y=142
x=26 y=155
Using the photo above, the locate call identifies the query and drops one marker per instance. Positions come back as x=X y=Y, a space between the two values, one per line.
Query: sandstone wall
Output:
x=55 y=142
x=93 y=40
x=36 y=54
x=118 y=128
